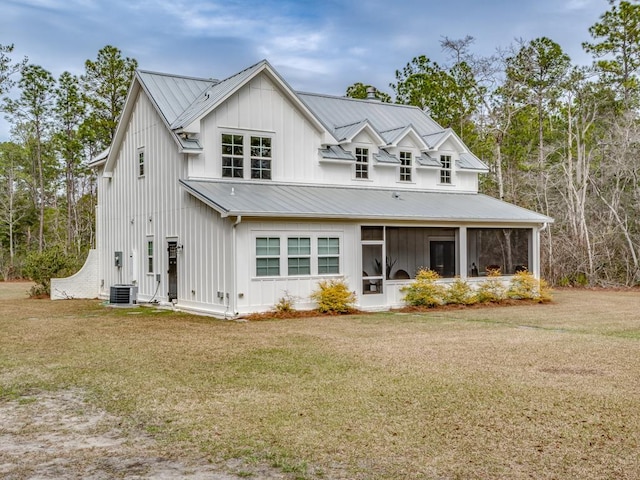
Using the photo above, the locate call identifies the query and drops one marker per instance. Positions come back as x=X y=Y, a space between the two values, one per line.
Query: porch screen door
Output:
x=443 y=257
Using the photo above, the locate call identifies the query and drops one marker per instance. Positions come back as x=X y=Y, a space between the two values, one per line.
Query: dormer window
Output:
x=405 y=166
x=362 y=163
x=445 y=171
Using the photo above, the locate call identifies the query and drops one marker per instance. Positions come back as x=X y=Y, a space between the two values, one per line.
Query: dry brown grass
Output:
x=528 y=391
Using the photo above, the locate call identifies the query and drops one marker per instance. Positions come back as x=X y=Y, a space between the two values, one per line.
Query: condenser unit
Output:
x=123 y=294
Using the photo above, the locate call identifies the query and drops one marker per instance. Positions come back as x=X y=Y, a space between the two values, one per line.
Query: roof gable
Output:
x=407 y=132
x=347 y=133
x=210 y=99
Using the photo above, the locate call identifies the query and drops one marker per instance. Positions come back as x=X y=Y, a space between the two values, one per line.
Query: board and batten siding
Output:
x=262 y=107
x=133 y=209
x=256 y=294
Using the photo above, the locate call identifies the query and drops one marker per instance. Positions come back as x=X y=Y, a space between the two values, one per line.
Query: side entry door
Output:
x=172 y=250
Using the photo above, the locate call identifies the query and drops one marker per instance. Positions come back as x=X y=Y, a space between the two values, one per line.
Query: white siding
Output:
x=133 y=209
x=260 y=106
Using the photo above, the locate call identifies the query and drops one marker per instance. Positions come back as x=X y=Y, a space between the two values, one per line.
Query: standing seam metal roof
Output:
x=171 y=93
x=295 y=201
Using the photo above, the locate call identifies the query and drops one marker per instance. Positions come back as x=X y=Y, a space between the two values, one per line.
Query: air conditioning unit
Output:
x=123 y=294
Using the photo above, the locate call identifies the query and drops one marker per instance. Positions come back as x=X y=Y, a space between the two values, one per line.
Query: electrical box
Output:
x=118 y=259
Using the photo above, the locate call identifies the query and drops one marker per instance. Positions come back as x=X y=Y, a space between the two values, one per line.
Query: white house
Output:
x=225 y=196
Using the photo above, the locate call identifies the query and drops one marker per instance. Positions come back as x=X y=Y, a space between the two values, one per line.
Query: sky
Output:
x=320 y=46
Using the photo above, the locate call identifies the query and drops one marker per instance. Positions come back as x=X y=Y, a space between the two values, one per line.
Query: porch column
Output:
x=462 y=252
x=535 y=251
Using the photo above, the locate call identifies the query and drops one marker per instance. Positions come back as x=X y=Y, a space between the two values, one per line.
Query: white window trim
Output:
x=280 y=255
x=141 y=152
x=356 y=163
x=152 y=257
x=284 y=257
x=246 y=150
x=410 y=166
x=450 y=170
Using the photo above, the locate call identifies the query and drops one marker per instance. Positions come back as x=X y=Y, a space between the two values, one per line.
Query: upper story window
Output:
x=232 y=156
x=141 y=162
x=253 y=151
x=405 y=166
x=445 y=171
x=261 y=158
x=362 y=162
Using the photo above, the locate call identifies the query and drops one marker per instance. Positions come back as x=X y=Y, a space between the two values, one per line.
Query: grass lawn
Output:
x=533 y=391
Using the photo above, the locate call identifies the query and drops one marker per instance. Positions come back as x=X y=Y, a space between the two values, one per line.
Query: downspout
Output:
x=234 y=293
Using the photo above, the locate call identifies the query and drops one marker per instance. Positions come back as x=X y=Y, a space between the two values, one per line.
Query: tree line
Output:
x=559 y=138
x=47 y=192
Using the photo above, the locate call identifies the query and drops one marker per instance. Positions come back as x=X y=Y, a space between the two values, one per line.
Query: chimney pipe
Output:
x=371 y=93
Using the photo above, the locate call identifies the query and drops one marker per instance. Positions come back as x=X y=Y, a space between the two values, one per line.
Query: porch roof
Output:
x=253 y=199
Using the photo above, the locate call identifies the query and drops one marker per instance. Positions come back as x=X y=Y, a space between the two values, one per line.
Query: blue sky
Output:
x=318 y=46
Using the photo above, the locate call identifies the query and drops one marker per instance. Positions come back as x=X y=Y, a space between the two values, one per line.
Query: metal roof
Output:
x=385 y=157
x=296 y=201
x=469 y=161
x=214 y=94
x=434 y=139
x=427 y=160
x=336 y=152
x=172 y=93
x=337 y=112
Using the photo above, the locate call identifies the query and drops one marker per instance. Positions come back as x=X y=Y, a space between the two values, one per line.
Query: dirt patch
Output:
x=61 y=436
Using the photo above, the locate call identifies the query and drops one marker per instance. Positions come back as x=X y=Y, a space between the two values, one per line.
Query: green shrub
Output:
x=424 y=291
x=285 y=304
x=492 y=289
x=460 y=293
x=41 y=267
x=524 y=286
x=333 y=296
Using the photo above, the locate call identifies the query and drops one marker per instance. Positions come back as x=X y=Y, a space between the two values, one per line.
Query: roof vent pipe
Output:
x=371 y=93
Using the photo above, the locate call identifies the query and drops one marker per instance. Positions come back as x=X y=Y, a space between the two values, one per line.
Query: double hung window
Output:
x=299 y=255
x=267 y=256
x=445 y=171
x=305 y=255
x=362 y=163
x=405 y=166
x=328 y=255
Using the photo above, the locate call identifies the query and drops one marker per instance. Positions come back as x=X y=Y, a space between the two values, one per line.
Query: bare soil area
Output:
x=60 y=436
